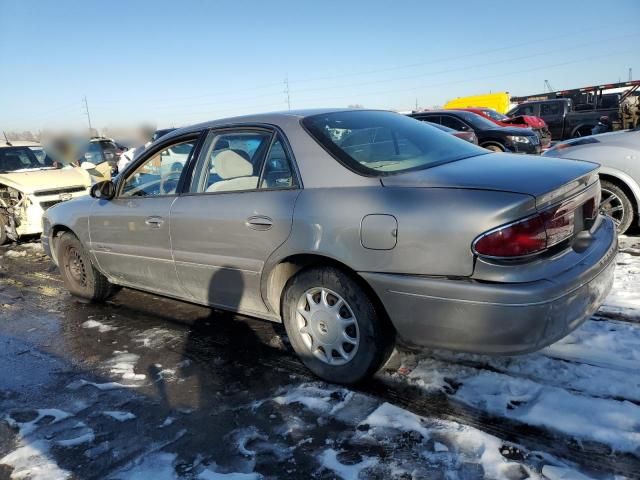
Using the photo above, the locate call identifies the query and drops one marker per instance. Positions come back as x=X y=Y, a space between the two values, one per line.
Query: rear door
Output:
x=237 y=211
x=129 y=234
x=553 y=114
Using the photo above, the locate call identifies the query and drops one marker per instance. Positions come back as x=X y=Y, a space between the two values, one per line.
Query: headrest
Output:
x=232 y=164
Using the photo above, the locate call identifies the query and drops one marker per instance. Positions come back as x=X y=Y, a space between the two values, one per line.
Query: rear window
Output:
x=383 y=143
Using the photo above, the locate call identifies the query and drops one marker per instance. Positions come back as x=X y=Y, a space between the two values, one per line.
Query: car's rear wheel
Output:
x=334 y=326
x=616 y=204
x=78 y=273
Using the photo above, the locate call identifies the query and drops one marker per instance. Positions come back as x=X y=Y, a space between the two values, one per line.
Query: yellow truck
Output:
x=500 y=102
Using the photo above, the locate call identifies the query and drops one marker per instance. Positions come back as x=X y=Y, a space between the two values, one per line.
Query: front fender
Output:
x=72 y=215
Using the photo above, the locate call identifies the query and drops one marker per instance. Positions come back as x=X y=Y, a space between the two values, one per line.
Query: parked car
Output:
x=521 y=121
x=29 y=185
x=574 y=113
x=353 y=228
x=468 y=135
x=102 y=149
x=618 y=153
x=490 y=136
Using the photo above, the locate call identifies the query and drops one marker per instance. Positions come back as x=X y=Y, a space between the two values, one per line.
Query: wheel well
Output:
x=625 y=188
x=582 y=128
x=497 y=143
x=56 y=232
x=288 y=267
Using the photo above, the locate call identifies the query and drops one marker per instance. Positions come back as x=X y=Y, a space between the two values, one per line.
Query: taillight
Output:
x=514 y=240
x=534 y=234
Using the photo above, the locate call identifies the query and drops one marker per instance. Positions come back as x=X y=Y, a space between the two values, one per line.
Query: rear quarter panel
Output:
x=436 y=226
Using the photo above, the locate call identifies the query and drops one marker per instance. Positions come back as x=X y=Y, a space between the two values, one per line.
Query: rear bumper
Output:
x=498 y=318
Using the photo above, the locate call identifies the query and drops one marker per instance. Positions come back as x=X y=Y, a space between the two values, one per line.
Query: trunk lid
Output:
x=547 y=181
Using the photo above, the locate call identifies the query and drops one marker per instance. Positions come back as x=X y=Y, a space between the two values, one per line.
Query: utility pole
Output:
x=416 y=104
x=287 y=92
x=86 y=112
x=630 y=74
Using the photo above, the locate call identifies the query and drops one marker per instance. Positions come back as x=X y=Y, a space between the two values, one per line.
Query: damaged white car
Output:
x=30 y=183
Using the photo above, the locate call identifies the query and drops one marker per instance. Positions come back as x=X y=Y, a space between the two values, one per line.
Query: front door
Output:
x=129 y=234
x=238 y=211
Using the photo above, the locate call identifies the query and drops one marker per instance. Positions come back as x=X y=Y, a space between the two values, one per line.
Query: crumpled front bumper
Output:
x=498 y=318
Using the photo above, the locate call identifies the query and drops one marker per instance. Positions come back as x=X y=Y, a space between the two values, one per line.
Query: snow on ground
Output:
x=102 y=327
x=586 y=386
x=32 y=461
x=437 y=448
x=120 y=416
x=625 y=295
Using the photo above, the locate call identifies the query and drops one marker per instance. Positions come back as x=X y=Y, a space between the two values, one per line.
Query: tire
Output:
x=584 y=131
x=493 y=147
x=78 y=273
x=3 y=229
x=616 y=204
x=359 y=320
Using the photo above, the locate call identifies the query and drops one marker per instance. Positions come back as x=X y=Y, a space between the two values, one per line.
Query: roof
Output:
x=274 y=118
x=18 y=143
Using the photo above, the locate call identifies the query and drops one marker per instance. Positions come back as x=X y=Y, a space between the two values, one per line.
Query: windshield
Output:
x=381 y=143
x=14 y=159
x=494 y=115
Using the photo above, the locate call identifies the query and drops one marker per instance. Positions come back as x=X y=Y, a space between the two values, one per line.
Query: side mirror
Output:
x=88 y=165
x=104 y=190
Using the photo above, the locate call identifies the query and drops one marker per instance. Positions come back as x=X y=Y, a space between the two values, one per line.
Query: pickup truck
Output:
x=574 y=113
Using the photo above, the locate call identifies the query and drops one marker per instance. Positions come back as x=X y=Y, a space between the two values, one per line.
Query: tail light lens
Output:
x=514 y=240
x=534 y=234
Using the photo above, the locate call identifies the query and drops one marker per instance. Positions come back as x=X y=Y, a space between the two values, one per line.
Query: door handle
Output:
x=154 y=222
x=259 y=222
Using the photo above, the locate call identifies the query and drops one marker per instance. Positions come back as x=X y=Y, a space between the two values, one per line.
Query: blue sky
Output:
x=179 y=62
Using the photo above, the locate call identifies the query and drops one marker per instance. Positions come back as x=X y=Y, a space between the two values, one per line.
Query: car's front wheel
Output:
x=494 y=147
x=334 y=326
x=616 y=204
x=78 y=273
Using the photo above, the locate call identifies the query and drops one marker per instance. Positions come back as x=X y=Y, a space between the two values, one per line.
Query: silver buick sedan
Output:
x=355 y=228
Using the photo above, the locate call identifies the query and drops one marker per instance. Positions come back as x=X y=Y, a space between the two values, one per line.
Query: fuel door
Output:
x=379 y=231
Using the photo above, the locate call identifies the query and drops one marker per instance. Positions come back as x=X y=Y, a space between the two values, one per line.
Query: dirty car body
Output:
x=29 y=184
x=450 y=246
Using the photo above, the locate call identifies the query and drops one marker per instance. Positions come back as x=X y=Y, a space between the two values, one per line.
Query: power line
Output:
x=537 y=41
x=466 y=80
x=368 y=72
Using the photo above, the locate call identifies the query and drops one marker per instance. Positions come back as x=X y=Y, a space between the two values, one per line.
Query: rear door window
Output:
x=454 y=123
x=230 y=161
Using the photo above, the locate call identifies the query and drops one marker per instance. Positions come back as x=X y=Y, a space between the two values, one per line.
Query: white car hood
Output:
x=35 y=180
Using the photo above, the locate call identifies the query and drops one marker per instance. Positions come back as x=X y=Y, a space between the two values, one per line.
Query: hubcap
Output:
x=327 y=326
x=75 y=267
x=612 y=206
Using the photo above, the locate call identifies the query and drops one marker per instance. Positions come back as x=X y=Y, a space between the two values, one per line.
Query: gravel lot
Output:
x=149 y=388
